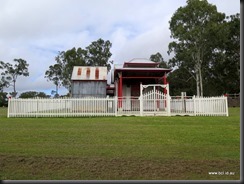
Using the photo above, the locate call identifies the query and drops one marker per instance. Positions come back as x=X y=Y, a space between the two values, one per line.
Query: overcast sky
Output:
x=36 y=30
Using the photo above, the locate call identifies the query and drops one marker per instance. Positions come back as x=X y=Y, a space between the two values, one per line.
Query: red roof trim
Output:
x=89 y=80
x=144 y=69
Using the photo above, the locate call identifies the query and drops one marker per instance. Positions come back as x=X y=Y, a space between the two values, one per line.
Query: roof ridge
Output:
x=137 y=60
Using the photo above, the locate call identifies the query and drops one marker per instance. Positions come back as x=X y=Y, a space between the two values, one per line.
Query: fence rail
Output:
x=78 y=107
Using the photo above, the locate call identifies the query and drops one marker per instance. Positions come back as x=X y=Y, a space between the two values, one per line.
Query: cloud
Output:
x=145 y=44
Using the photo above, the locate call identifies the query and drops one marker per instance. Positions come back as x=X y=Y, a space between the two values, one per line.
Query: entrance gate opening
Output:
x=154 y=99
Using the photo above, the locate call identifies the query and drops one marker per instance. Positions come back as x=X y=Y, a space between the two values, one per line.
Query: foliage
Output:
x=165 y=148
x=224 y=69
x=53 y=75
x=195 y=28
x=222 y=74
x=66 y=60
x=11 y=72
x=33 y=94
x=159 y=59
x=3 y=99
x=96 y=54
x=4 y=82
x=180 y=80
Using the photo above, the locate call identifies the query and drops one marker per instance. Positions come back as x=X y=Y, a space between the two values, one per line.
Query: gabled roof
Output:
x=140 y=62
x=141 y=68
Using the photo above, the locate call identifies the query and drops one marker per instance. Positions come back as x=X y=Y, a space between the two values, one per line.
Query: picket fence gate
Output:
x=138 y=106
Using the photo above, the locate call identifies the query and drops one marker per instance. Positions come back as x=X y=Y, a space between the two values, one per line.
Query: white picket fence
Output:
x=78 y=107
x=128 y=106
x=200 y=106
x=61 y=107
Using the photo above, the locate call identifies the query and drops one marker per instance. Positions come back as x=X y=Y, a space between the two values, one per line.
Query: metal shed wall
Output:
x=81 y=89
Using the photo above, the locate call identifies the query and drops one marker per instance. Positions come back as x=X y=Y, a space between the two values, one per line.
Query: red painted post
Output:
x=119 y=93
x=165 y=82
x=165 y=90
x=120 y=90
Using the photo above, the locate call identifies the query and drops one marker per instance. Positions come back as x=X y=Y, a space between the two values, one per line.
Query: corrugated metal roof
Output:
x=89 y=73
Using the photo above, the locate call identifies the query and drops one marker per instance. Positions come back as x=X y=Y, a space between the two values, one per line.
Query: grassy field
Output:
x=120 y=148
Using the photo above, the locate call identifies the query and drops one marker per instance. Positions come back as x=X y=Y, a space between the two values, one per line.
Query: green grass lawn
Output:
x=120 y=148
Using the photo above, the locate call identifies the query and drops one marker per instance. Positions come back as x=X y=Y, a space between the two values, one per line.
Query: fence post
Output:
x=9 y=99
x=183 y=100
x=141 y=100
x=37 y=108
x=115 y=105
x=168 y=105
x=141 y=105
x=168 y=101
x=226 y=106
x=194 y=105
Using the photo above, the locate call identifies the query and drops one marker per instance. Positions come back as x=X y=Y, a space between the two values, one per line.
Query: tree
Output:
x=33 y=94
x=159 y=58
x=180 y=80
x=66 y=60
x=54 y=74
x=12 y=72
x=98 y=53
x=4 y=83
x=195 y=29
x=43 y=95
x=3 y=99
x=224 y=70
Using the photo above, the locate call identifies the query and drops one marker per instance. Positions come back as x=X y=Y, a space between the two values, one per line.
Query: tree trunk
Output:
x=56 y=89
x=197 y=79
x=197 y=82
x=200 y=77
x=195 y=57
x=14 y=94
x=199 y=71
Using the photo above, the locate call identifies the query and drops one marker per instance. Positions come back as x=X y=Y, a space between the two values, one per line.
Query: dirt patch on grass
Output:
x=81 y=168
